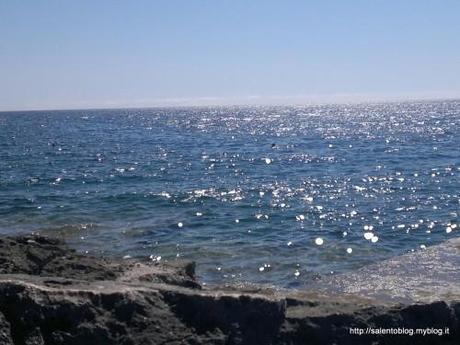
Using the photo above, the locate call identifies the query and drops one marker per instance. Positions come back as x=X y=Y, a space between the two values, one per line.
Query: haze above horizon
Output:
x=85 y=54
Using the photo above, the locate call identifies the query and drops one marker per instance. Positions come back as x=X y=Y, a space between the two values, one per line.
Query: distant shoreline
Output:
x=240 y=105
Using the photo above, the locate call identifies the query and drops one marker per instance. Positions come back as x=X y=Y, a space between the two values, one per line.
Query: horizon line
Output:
x=186 y=102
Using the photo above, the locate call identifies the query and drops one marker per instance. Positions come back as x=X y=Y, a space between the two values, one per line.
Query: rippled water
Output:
x=276 y=195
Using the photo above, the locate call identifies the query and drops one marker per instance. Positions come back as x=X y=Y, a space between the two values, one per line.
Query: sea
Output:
x=276 y=195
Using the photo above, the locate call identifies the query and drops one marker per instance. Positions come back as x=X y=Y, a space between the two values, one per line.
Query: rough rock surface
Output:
x=51 y=295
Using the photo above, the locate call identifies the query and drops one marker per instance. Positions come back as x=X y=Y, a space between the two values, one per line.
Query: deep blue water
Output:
x=253 y=187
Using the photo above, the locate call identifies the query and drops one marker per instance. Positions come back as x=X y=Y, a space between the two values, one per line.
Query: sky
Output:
x=96 y=54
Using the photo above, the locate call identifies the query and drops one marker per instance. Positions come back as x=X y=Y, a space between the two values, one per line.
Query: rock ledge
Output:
x=50 y=295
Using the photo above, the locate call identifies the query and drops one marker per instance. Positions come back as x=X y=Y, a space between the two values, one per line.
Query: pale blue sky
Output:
x=80 y=54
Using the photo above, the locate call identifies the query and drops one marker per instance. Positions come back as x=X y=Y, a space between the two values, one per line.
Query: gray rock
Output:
x=5 y=331
x=51 y=295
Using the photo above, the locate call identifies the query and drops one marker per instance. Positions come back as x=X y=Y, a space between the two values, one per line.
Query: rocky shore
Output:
x=49 y=294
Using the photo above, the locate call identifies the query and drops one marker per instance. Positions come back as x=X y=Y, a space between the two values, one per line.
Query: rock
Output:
x=5 y=331
x=51 y=295
x=42 y=256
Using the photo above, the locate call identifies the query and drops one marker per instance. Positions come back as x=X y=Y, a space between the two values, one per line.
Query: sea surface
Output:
x=274 y=195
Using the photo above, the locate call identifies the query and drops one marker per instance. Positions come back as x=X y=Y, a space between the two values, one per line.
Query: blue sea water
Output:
x=276 y=195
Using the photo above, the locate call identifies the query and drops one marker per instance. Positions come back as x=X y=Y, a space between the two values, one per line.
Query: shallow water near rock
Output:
x=275 y=195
